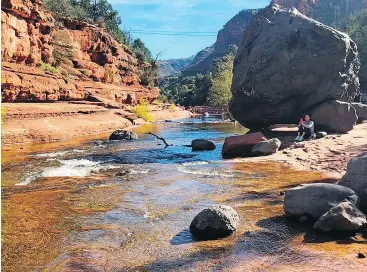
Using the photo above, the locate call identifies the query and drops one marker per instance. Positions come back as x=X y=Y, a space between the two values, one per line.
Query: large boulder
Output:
x=361 y=110
x=287 y=64
x=239 y=146
x=266 y=147
x=123 y=135
x=316 y=199
x=335 y=116
x=343 y=217
x=356 y=178
x=215 y=222
x=201 y=145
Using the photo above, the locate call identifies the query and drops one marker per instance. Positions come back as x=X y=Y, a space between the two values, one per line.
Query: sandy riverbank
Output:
x=46 y=122
x=330 y=154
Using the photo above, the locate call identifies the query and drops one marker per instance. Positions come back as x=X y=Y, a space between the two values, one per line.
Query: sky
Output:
x=167 y=17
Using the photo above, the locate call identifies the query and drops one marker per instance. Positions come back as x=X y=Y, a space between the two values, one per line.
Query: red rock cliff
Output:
x=89 y=63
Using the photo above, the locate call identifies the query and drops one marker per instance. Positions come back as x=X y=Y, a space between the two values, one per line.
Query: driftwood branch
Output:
x=160 y=138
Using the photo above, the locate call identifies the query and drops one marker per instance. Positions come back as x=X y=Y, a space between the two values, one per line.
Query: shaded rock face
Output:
x=123 y=135
x=266 y=147
x=361 y=110
x=202 y=145
x=215 y=222
x=316 y=199
x=356 y=178
x=333 y=13
x=239 y=146
x=87 y=59
x=287 y=64
x=343 y=217
x=335 y=116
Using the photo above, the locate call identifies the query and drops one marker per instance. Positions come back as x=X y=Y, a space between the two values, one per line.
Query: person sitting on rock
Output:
x=306 y=129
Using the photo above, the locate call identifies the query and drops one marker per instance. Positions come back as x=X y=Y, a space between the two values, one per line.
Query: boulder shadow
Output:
x=184 y=237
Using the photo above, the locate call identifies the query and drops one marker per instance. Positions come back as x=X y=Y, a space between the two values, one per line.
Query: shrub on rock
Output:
x=343 y=217
x=123 y=135
x=215 y=222
x=316 y=199
x=356 y=178
x=266 y=147
x=202 y=145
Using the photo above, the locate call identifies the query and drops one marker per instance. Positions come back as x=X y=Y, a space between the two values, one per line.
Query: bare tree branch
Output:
x=160 y=138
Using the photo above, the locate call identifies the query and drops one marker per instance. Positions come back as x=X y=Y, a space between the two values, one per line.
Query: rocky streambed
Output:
x=127 y=206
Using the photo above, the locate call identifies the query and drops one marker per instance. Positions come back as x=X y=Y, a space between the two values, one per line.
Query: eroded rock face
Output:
x=343 y=217
x=287 y=64
x=42 y=62
x=356 y=178
x=335 y=116
x=316 y=199
x=215 y=222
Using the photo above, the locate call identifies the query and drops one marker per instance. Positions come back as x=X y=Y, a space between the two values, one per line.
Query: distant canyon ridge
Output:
x=333 y=13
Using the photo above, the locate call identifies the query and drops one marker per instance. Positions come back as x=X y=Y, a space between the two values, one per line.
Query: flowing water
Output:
x=126 y=206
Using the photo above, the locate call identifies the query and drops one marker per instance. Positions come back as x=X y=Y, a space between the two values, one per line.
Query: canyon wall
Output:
x=45 y=60
x=231 y=33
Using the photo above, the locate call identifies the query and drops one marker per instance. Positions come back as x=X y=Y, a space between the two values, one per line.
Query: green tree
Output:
x=221 y=69
x=357 y=29
x=94 y=11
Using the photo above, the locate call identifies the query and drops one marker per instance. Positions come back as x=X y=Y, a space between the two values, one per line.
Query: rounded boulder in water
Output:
x=202 y=145
x=215 y=222
x=123 y=135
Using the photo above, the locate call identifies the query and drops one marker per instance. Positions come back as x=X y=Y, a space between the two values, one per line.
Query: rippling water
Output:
x=126 y=206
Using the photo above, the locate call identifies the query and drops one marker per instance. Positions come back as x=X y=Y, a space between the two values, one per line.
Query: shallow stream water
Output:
x=126 y=206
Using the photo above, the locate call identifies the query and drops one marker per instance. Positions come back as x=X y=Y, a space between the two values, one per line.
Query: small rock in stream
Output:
x=215 y=222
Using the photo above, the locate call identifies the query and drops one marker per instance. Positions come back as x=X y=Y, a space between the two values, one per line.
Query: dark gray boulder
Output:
x=202 y=145
x=267 y=147
x=356 y=178
x=215 y=222
x=343 y=217
x=334 y=116
x=361 y=110
x=123 y=135
x=287 y=64
x=315 y=199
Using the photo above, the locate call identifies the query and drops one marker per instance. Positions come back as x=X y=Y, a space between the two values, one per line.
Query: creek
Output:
x=97 y=205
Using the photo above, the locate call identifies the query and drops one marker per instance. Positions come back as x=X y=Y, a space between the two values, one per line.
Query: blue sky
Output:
x=179 y=16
